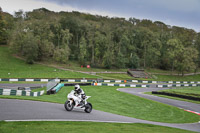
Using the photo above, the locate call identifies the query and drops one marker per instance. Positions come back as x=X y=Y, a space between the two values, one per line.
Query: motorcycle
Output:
x=76 y=102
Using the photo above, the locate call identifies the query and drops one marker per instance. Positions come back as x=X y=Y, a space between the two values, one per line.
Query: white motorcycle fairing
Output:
x=75 y=102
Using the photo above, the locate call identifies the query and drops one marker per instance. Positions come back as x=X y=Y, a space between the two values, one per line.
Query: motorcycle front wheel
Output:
x=88 y=108
x=69 y=107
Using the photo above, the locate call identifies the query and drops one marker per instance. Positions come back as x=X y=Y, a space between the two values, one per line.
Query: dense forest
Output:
x=100 y=41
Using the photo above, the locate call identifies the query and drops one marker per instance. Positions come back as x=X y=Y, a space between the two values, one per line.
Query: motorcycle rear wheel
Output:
x=88 y=108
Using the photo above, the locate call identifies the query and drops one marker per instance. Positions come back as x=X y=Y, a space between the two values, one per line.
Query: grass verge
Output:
x=109 y=100
x=83 y=127
x=177 y=78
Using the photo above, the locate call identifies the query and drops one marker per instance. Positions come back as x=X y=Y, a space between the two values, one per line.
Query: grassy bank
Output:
x=109 y=100
x=186 y=90
x=83 y=127
x=177 y=78
x=11 y=67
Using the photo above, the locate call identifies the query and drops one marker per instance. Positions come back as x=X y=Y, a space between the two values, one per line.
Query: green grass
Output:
x=153 y=70
x=11 y=67
x=177 y=78
x=109 y=100
x=114 y=76
x=186 y=90
x=39 y=89
x=74 y=65
x=83 y=127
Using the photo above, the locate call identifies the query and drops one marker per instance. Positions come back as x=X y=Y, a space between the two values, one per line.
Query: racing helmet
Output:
x=76 y=87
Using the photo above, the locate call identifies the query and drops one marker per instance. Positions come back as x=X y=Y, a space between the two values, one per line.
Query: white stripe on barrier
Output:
x=171 y=82
x=35 y=94
x=28 y=93
x=57 y=80
x=83 y=80
x=41 y=92
x=118 y=81
x=132 y=85
x=198 y=82
x=135 y=81
x=0 y=79
x=154 y=82
x=169 y=85
x=29 y=80
x=44 y=80
x=178 y=85
x=178 y=82
x=194 y=84
x=19 y=92
x=107 y=81
x=13 y=80
x=110 y=84
x=71 y=80
x=160 y=86
x=144 y=86
x=186 y=84
x=122 y=85
x=144 y=81
x=6 y=91
x=99 y=84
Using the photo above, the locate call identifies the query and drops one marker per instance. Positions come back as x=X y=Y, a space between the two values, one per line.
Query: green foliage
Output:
x=107 y=59
x=83 y=51
x=104 y=42
x=61 y=55
x=134 y=62
x=30 y=50
x=3 y=33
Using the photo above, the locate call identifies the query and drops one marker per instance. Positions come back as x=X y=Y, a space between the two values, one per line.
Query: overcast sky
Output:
x=183 y=13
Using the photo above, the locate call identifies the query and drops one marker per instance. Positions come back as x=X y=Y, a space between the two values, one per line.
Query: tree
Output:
x=187 y=60
x=83 y=51
x=107 y=59
x=120 y=61
x=174 y=51
x=3 y=33
x=134 y=61
x=30 y=49
x=61 y=55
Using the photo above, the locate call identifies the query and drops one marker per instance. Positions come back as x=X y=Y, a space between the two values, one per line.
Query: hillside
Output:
x=11 y=67
x=102 y=42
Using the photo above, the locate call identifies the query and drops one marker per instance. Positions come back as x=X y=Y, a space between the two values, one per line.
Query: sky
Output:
x=182 y=13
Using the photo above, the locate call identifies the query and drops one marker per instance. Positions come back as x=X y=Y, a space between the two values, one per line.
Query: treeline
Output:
x=100 y=41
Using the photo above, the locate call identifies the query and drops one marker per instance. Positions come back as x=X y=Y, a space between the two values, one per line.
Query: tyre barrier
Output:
x=177 y=85
x=177 y=95
x=96 y=80
x=120 y=85
x=27 y=80
x=55 y=89
x=20 y=92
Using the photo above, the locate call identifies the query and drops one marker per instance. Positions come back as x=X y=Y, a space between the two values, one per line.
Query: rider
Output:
x=79 y=93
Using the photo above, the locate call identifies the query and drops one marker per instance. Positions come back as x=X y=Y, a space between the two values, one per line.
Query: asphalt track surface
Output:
x=24 y=110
